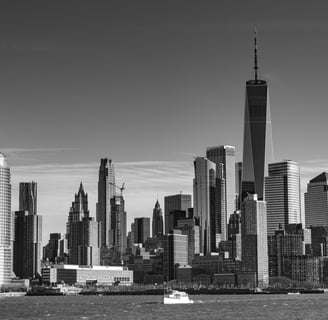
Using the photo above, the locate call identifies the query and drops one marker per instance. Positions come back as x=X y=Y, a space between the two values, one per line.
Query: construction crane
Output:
x=118 y=187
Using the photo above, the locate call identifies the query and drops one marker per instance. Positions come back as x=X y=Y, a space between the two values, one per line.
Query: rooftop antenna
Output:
x=255 y=56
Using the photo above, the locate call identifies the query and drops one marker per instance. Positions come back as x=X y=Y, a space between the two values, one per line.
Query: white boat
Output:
x=177 y=297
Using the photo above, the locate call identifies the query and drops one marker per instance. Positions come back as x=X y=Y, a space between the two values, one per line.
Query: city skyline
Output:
x=110 y=88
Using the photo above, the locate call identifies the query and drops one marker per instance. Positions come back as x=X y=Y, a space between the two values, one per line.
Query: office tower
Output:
x=258 y=148
x=5 y=223
x=283 y=195
x=283 y=246
x=220 y=204
x=28 y=233
x=175 y=253
x=204 y=203
x=319 y=241
x=118 y=223
x=178 y=202
x=189 y=227
x=141 y=229
x=316 y=201
x=53 y=250
x=254 y=239
x=225 y=155
x=83 y=232
x=157 y=220
x=88 y=242
x=106 y=191
x=239 y=170
x=28 y=197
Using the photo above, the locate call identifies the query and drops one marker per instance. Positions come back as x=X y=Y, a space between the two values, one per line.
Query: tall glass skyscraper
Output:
x=316 y=201
x=106 y=191
x=283 y=195
x=204 y=203
x=224 y=158
x=258 y=147
x=5 y=223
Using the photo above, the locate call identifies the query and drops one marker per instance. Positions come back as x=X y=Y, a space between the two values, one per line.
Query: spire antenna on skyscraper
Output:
x=255 y=56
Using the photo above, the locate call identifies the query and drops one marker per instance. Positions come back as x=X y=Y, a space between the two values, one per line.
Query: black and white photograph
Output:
x=163 y=159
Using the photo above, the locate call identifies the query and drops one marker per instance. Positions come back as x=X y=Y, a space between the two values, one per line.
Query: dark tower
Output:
x=258 y=148
x=157 y=220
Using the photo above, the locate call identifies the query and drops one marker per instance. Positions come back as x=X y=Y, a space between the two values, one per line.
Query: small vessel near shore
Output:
x=176 y=297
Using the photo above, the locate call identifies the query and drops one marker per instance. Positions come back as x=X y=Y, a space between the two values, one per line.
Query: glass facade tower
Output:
x=257 y=147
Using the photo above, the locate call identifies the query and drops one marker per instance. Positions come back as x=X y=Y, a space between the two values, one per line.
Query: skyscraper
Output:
x=204 y=203
x=28 y=197
x=179 y=202
x=254 y=240
x=118 y=223
x=83 y=232
x=316 y=201
x=258 y=148
x=157 y=220
x=226 y=155
x=175 y=253
x=5 y=223
x=239 y=167
x=28 y=233
x=283 y=195
x=220 y=204
x=106 y=191
x=141 y=229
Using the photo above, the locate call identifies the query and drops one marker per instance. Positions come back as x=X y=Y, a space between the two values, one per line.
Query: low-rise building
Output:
x=74 y=274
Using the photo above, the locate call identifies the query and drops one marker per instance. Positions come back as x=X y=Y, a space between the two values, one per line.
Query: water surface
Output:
x=290 y=307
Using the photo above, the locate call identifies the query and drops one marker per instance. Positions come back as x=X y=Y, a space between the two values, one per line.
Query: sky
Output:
x=152 y=84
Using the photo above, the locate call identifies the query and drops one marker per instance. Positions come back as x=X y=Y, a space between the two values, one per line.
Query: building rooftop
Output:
x=323 y=177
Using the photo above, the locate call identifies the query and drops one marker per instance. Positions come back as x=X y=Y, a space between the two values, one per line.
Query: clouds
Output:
x=57 y=183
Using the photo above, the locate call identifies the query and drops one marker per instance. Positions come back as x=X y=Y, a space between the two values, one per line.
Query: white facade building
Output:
x=5 y=223
x=74 y=274
x=283 y=195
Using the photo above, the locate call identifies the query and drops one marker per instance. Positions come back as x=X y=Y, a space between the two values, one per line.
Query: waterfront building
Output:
x=254 y=240
x=224 y=158
x=319 y=241
x=157 y=220
x=204 y=187
x=28 y=233
x=178 y=202
x=82 y=275
x=283 y=195
x=5 y=223
x=27 y=245
x=141 y=229
x=316 y=201
x=283 y=246
x=257 y=147
x=106 y=191
x=175 y=253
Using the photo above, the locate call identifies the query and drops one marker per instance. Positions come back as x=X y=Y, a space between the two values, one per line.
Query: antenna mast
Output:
x=255 y=57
